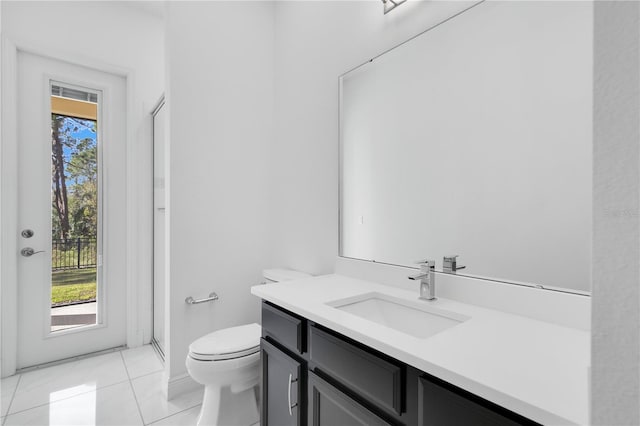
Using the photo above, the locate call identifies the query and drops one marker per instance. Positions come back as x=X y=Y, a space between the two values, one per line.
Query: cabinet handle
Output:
x=289 y=394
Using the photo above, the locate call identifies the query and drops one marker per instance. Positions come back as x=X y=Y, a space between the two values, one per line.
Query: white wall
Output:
x=118 y=38
x=616 y=214
x=220 y=95
x=315 y=43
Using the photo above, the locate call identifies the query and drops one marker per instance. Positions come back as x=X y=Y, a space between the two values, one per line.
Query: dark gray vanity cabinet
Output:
x=283 y=327
x=444 y=405
x=282 y=379
x=314 y=375
x=374 y=382
x=328 y=406
x=283 y=368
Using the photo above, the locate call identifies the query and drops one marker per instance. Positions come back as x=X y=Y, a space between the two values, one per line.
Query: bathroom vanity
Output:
x=327 y=361
x=324 y=378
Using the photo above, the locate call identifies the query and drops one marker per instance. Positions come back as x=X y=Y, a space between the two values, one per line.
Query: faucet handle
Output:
x=449 y=264
x=426 y=266
x=417 y=277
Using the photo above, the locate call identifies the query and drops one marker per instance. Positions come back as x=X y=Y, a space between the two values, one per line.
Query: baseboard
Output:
x=180 y=385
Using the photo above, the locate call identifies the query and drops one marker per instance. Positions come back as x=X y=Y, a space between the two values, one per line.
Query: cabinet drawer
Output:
x=373 y=377
x=441 y=404
x=330 y=407
x=283 y=327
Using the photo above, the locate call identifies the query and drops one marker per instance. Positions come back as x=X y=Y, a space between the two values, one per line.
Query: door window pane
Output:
x=75 y=209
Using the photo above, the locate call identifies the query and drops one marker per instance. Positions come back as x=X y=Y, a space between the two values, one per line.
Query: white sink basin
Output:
x=416 y=318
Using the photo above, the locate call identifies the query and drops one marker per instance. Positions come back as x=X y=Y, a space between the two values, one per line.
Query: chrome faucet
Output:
x=427 y=279
x=450 y=264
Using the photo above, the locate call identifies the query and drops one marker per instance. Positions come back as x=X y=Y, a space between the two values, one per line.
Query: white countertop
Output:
x=534 y=368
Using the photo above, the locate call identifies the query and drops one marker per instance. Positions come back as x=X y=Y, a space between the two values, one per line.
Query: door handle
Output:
x=28 y=252
x=289 y=394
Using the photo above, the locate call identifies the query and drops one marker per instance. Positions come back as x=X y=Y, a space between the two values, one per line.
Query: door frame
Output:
x=137 y=327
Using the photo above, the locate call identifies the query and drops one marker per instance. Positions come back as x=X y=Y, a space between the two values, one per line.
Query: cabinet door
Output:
x=328 y=406
x=441 y=405
x=281 y=388
x=364 y=372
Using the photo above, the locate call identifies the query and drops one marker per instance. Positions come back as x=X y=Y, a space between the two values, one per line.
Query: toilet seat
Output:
x=226 y=344
x=223 y=357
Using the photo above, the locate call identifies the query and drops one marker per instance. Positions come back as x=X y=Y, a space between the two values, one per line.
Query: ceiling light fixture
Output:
x=389 y=5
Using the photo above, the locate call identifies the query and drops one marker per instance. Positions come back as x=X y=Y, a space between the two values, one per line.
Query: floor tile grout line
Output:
x=133 y=391
x=13 y=395
x=171 y=415
x=142 y=375
x=64 y=399
x=145 y=374
x=135 y=399
x=129 y=380
x=124 y=363
x=136 y=396
x=70 y=363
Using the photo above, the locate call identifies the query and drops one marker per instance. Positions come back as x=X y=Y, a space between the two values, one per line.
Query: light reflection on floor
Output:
x=118 y=388
x=81 y=409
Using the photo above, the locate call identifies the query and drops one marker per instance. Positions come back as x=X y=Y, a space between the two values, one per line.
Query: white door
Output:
x=75 y=326
x=158 y=226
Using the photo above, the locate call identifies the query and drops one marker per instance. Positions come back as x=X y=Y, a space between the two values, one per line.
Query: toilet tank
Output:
x=278 y=275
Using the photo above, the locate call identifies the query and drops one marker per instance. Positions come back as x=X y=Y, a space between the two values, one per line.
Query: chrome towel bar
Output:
x=191 y=301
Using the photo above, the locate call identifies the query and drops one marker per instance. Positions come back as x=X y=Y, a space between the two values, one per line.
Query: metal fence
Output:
x=74 y=253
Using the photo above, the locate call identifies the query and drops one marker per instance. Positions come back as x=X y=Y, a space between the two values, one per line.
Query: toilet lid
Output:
x=228 y=343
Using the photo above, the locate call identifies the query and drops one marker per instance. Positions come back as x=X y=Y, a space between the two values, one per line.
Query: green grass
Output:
x=74 y=285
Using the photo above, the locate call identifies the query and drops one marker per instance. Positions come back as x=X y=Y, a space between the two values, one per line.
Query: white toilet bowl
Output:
x=227 y=363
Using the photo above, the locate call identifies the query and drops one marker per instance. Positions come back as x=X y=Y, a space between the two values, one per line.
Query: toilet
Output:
x=227 y=363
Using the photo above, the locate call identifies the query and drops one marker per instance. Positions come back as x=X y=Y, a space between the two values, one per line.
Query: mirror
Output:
x=475 y=139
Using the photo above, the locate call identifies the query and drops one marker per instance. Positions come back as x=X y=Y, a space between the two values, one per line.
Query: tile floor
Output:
x=119 y=388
